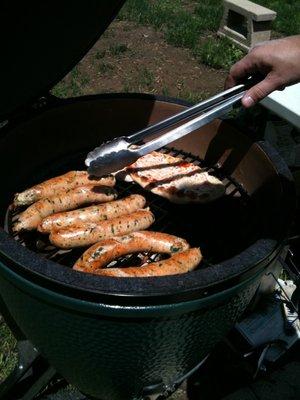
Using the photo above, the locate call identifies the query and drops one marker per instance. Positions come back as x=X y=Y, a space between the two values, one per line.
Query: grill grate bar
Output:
x=198 y=225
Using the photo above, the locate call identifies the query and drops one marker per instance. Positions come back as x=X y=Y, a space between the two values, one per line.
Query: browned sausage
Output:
x=59 y=184
x=33 y=215
x=90 y=233
x=105 y=251
x=93 y=213
x=179 y=263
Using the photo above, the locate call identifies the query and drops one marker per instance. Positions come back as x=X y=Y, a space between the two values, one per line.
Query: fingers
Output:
x=240 y=70
x=261 y=90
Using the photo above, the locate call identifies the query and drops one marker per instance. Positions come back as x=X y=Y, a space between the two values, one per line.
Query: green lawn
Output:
x=193 y=24
x=189 y=24
x=7 y=350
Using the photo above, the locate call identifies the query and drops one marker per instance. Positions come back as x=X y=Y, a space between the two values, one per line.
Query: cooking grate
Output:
x=221 y=229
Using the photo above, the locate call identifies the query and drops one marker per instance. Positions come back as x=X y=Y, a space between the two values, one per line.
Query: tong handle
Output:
x=191 y=111
x=214 y=112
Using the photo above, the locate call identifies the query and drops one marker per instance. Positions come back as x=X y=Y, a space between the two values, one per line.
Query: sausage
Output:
x=90 y=233
x=179 y=263
x=33 y=215
x=59 y=184
x=93 y=214
x=105 y=251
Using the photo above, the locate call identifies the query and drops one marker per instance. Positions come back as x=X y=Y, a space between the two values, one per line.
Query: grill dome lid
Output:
x=42 y=41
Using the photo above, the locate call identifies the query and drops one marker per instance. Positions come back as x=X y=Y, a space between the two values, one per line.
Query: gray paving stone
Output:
x=282 y=385
x=68 y=393
x=242 y=394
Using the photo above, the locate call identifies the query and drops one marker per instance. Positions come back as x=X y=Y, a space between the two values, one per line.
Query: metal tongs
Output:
x=122 y=151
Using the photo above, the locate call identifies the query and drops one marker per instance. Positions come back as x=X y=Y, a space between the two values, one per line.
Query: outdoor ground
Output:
x=166 y=47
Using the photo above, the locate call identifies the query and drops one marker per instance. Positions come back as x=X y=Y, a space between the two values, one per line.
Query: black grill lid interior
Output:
x=42 y=41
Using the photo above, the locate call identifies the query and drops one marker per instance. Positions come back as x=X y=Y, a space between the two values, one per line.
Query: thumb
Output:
x=260 y=91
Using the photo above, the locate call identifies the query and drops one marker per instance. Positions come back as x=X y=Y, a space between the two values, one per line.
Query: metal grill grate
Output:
x=221 y=229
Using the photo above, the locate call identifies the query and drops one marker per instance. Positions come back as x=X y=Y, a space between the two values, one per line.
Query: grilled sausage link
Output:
x=93 y=213
x=33 y=215
x=90 y=233
x=59 y=184
x=179 y=263
x=105 y=251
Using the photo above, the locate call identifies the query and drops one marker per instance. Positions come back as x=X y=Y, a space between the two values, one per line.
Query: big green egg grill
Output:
x=125 y=338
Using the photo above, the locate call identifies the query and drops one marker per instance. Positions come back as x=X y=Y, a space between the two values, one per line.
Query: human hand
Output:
x=277 y=60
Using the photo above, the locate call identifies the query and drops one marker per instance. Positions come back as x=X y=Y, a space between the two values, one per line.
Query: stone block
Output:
x=246 y=23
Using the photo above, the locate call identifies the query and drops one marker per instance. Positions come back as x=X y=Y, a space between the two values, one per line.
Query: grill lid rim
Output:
x=201 y=282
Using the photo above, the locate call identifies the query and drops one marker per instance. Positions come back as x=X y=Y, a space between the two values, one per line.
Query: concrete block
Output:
x=255 y=11
x=246 y=23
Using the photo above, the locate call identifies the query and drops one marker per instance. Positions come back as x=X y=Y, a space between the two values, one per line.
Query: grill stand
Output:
x=32 y=372
x=30 y=376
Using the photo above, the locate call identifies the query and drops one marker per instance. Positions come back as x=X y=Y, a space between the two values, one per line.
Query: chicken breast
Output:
x=175 y=179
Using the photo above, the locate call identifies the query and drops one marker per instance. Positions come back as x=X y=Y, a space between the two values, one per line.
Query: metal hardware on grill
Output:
x=115 y=154
x=166 y=220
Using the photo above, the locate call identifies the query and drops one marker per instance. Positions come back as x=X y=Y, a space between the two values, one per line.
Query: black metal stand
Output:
x=32 y=373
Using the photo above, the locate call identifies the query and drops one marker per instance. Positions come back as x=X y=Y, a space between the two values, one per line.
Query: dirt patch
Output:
x=132 y=58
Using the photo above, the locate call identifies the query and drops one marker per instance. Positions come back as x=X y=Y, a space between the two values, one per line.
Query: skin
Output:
x=34 y=214
x=94 y=213
x=278 y=61
x=178 y=263
x=87 y=234
x=59 y=184
x=105 y=251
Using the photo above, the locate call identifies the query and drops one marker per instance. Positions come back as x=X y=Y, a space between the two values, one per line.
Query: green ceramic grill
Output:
x=124 y=338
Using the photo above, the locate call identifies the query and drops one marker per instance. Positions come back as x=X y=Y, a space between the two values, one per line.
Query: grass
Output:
x=100 y=54
x=117 y=49
x=288 y=15
x=72 y=86
x=210 y=13
x=61 y=90
x=195 y=27
x=105 y=67
x=212 y=53
x=144 y=81
x=183 y=28
x=7 y=351
x=192 y=97
x=146 y=77
x=189 y=24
